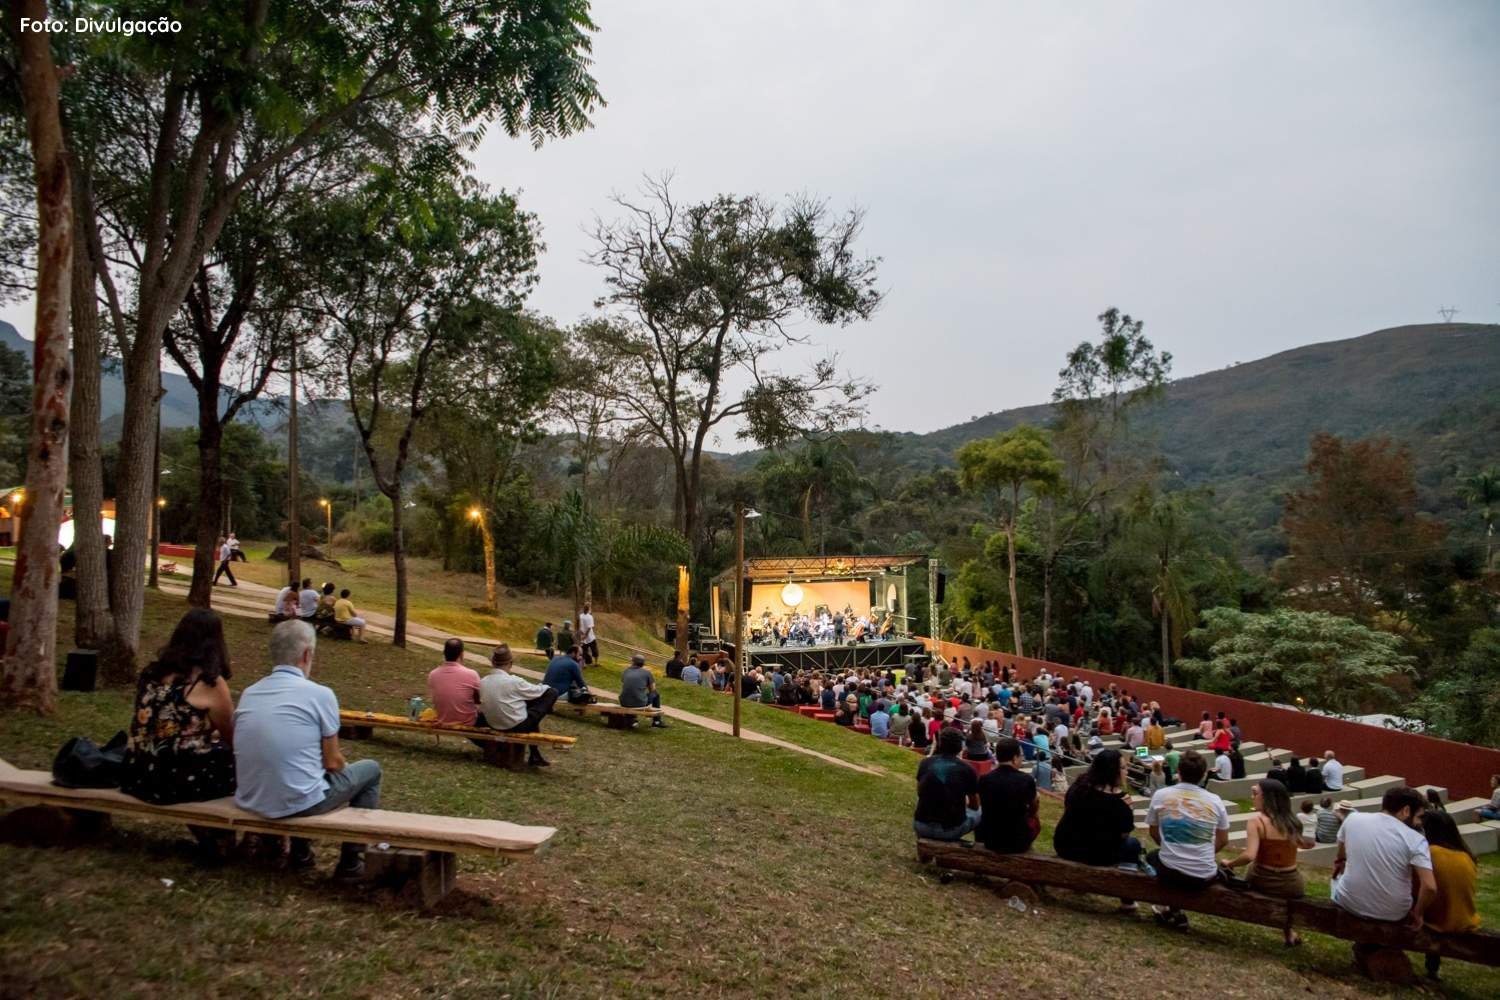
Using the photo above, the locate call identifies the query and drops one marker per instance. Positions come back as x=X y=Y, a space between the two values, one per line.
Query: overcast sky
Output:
x=1245 y=177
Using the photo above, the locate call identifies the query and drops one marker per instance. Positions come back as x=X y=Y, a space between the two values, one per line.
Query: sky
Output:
x=1246 y=178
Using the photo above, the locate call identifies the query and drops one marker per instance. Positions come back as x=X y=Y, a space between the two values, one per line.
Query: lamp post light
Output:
x=153 y=577
x=328 y=513
x=491 y=598
x=741 y=515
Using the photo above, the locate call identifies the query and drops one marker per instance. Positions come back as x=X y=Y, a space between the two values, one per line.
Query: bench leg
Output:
x=618 y=721
x=1384 y=965
x=356 y=732
x=424 y=876
x=436 y=877
x=1013 y=890
x=511 y=756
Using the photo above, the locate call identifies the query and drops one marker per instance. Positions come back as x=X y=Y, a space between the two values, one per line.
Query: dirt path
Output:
x=254 y=600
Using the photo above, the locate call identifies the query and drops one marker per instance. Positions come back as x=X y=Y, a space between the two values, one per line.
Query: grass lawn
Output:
x=685 y=864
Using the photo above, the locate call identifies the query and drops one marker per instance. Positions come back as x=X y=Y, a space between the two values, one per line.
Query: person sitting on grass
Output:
x=947 y=792
x=638 y=689
x=692 y=673
x=565 y=676
x=453 y=688
x=307 y=600
x=512 y=704
x=1008 y=804
x=287 y=603
x=286 y=749
x=1191 y=826
x=1272 y=837
x=1453 y=909
x=326 y=602
x=344 y=614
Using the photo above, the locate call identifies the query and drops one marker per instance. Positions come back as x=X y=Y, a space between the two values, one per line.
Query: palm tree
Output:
x=1167 y=537
x=1482 y=490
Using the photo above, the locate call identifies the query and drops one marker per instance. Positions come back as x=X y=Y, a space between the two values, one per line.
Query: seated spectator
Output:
x=1192 y=826
x=344 y=614
x=1158 y=776
x=692 y=673
x=307 y=601
x=1008 y=804
x=845 y=714
x=287 y=601
x=1156 y=736
x=1221 y=741
x=947 y=793
x=1333 y=773
x=1223 y=767
x=182 y=729
x=1135 y=736
x=976 y=746
x=1206 y=727
x=901 y=725
x=1329 y=821
x=1272 y=838
x=286 y=748
x=880 y=721
x=326 y=602
x=453 y=688
x=787 y=694
x=1097 y=824
x=513 y=704
x=638 y=689
x=1041 y=773
x=565 y=638
x=916 y=733
x=1380 y=857
x=1453 y=909
x=1312 y=777
x=545 y=640
x=565 y=676
x=673 y=668
x=1492 y=811
x=1307 y=815
x=1293 y=776
x=1235 y=734
x=1237 y=762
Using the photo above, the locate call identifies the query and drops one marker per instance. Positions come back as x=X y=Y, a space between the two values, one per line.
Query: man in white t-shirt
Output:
x=588 y=642
x=1192 y=826
x=1378 y=855
x=1333 y=773
x=1223 y=766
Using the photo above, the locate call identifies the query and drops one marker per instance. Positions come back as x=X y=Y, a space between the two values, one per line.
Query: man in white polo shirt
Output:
x=1333 y=773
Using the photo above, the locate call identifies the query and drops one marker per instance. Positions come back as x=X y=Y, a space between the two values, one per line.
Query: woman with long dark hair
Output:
x=1098 y=825
x=1272 y=838
x=1452 y=910
x=182 y=732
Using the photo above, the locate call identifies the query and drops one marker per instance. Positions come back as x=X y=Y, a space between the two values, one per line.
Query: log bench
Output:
x=1022 y=874
x=500 y=749
x=413 y=851
x=615 y=716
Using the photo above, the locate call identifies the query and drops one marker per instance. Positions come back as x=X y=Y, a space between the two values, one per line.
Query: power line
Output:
x=1447 y=312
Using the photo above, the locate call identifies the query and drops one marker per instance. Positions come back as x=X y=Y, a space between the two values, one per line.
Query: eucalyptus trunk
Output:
x=92 y=621
x=398 y=554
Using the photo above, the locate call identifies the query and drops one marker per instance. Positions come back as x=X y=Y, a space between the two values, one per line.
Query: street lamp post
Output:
x=161 y=502
x=491 y=598
x=741 y=514
x=328 y=512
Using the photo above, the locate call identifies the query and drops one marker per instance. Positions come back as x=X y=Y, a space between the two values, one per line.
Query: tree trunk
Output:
x=29 y=674
x=1046 y=608
x=398 y=554
x=1166 y=645
x=210 y=501
x=294 y=485
x=1015 y=603
x=92 y=622
x=491 y=598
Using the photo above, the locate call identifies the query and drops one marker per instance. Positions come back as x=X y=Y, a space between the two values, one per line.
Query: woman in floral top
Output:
x=181 y=736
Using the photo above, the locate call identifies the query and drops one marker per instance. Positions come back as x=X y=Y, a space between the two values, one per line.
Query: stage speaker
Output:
x=81 y=672
x=942 y=586
x=745 y=593
x=669 y=635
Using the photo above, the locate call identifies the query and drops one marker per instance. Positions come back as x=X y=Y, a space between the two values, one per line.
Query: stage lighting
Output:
x=791 y=595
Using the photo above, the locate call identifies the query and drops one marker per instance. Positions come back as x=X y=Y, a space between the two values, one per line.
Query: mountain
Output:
x=179 y=407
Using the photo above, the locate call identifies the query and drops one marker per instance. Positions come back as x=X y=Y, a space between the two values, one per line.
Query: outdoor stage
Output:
x=831 y=657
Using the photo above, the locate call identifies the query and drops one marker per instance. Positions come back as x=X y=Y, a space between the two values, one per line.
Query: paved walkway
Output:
x=254 y=600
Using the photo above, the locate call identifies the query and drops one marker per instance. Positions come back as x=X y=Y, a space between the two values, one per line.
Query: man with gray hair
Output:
x=638 y=689
x=286 y=748
x=513 y=704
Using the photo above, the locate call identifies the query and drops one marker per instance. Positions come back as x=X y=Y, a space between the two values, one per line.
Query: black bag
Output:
x=81 y=763
x=580 y=696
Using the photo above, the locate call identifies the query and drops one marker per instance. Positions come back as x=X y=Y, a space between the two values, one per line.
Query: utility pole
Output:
x=739 y=602
x=1447 y=312
x=294 y=485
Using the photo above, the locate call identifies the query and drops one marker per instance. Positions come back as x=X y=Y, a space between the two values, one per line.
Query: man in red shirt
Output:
x=453 y=687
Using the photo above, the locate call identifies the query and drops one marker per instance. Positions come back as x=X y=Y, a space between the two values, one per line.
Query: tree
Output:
x=822 y=477
x=28 y=676
x=416 y=267
x=1463 y=700
x=1168 y=535
x=1482 y=492
x=182 y=161
x=509 y=371
x=1309 y=658
x=1354 y=532
x=1005 y=466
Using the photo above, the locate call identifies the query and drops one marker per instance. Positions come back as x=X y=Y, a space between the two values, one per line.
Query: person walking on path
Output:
x=226 y=553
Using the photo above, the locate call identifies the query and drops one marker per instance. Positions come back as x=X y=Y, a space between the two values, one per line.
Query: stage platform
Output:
x=832 y=657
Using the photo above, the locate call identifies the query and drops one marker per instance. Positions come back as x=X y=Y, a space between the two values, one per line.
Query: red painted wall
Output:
x=1422 y=760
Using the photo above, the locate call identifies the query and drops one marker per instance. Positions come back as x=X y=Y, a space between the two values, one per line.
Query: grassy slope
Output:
x=684 y=863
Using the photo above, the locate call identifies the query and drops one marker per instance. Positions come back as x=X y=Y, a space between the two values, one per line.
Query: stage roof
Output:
x=804 y=567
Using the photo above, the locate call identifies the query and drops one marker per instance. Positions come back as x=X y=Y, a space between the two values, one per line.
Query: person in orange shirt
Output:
x=1453 y=911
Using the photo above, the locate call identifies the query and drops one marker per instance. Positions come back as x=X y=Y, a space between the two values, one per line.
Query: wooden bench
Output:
x=416 y=852
x=1023 y=873
x=500 y=749
x=615 y=716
